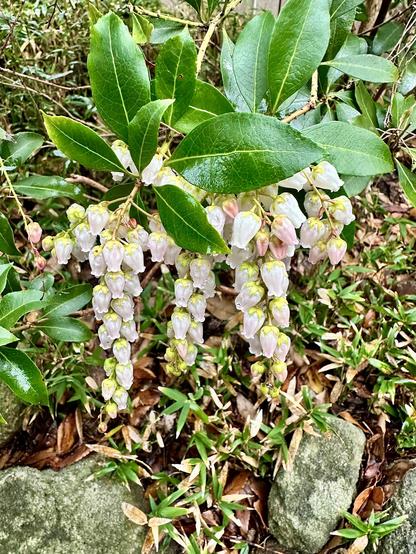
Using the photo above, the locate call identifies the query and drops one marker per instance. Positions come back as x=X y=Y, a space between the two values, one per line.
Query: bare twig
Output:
x=43 y=81
x=146 y=279
x=309 y=105
x=166 y=17
x=87 y=181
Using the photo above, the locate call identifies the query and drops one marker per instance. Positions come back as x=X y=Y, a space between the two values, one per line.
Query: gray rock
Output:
x=403 y=540
x=305 y=504
x=47 y=512
x=10 y=409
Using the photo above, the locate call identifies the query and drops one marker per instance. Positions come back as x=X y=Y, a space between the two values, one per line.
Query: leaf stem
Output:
x=311 y=104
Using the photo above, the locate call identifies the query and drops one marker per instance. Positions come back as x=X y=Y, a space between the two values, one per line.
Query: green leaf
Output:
x=349 y=533
x=17 y=151
x=80 y=143
x=366 y=67
x=407 y=180
x=141 y=28
x=163 y=30
x=408 y=78
x=352 y=150
x=348 y=234
x=144 y=130
x=68 y=301
x=175 y=74
x=16 y=304
x=354 y=185
x=23 y=377
x=387 y=36
x=342 y=16
x=4 y=270
x=42 y=187
x=7 y=245
x=237 y=152
x=65 y=329
x=118 y=74
x=352 y=45
x=250 y=59
x=207 y=102
x=341 y=7
x=231 y=89
x=298 y=44
x=186 y=222
x=365 y=102
x=6 y=337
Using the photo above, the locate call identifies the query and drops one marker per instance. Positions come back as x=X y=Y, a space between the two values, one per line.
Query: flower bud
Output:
x=258 y=368
x=110 y=366
x=247 y=271
x=297 y=181
x=191 y=355
x=336 y=249
x=253 y=320
x=282 y=347
x=111 y=409
x=47 y=244
x=112 y=323
x=325 y=176
x=158 y=244
x=279 y=308
x=98 y=217
x=108 y=387
x=172 y=252
x=275 y=277
x=182 y=264
x=122 y=350
x=75 y=213
x=245 y=227
x=312 y=231
x=97 y=262
x=101 y=297
x=318 y=252
x=254 y=346
x=286 y=204
x=341 y=210
x=129 y=330
x=262 y=242
x=113 y=252
x=105 y=236
x=85 y=239
x=269 y=335
x=181 y=321
x=183 y=291
x=121 y=397
x=216 y=218
x=132 y=284
x=197 y=305
x=196 y=332
x=139 y=236
x=150 y=172
x=124 y=375
x=105 y=340
x=251 y=293
x=63 y=249
x=34 y=232
x=124 y=307
x=284 y=230
x=230 y=207
x=181 y=347
x=313 y=203
x=279 y=370
x=170 y=354
x=115 y=282
x=40 y=262
x=133 y=257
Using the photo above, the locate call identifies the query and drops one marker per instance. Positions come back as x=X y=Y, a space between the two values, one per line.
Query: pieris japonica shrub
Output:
x=248 y=173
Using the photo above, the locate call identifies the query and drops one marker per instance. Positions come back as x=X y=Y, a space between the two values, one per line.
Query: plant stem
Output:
x=311 y=104
x=125 y=207
x=16 y=198
x=167 y=17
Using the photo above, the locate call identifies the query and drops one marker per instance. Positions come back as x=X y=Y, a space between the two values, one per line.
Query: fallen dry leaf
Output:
x=134 y=514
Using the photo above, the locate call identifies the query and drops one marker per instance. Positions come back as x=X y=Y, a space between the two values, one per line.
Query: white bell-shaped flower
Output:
x=341 y=210
x=115 y=282
x=112 y=323
x=200 y=269
x=63 y=249
x=279 y=370
x=336 y=248
x=129 y=330
x=121 y=398
x=245 y=227
x=133 y=257
x=181 y=320
x=282 y=347
x=182 y=263
x=124 y=307
x=85 y=239
x=181 y=346
x=275 y=277
x=183 y=291
x=122 y=350
x=247 y=271
x=101 y=297
x=123 y=154
x=158 y=244
x=113 y=252
x=250 y=295
x=313 y=203
x=254 y=346
x=284 y=230
x=124 y=375
x=106 y=340
x=172 y=252
x=97 y=262
x=312 y=231
x=191 y=355
x=297 y=181
x=196 y=332
x=139 y=236
x=269 y=335
x=75 y=213
x=318 y=252
x=132 y=284
x=98 y=216
x=279 y=309
x=197 y=305
x=216 y=218
x=108 y=388
x=110 y=366
x=208 y=289
x=239 y=255
x=252 y=322
x=286 y=204
x=150 y=172
x=325 y=176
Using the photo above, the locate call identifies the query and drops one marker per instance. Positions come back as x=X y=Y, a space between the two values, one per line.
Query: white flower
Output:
x=336 y=249
x=284 y=230
x=262 y=242
x=279 y=250
x=197 y=305
x=183 y=291
x=110 y=366
x=196 y=332
x=63 y=249
x=112 y=323
x=181 y=320
x=151 y=171
x=166 y=177
x=108 y=387
x=297 y=181
x=200 y=269
x=182 y=263
x=129 y=330
x=253 y=320
x=111 y=409
x=124 y=307
x=84 y=237
x=34 y=232
x=282 y=347
x=254 y=346
x=325 y=176
x=286 y=204
x=251 y=293
x=238 y=256
x=318 y=252
x=121 y=397
x=122 y=350
x=279 y=370
x=105 y=340
x=247 y=271
x=158 y=244
x=313 y=203
x=113 y=253
x=132 y=284
x=133 y=257
x=312 y=231
x=122 y=152
x=139 y=236
x=279 y=308
x=208 y=289
x=191 y=354
x=216 y=217
x=275 y=277
x=98 y=217
x=341 y=210
x=172 y=252
x=97 y=262
x=75 y=213
x=124 y=375
x=115 y=282
x=269 y=335
x=245 y=227
x=101 y=298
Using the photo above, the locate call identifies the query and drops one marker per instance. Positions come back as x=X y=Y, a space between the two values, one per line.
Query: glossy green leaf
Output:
x=250 y=59
x=231 y=89
x=118 y=74
x=175 y=74
x=366 y=67
x=6 y=337
x=144 y=130
x=237 y=152
x=7 y=245
x=81 y=144
x=4 y=271
x=354 y=185
x=353 y=45
x=352 y=150
x=93 y=13
x=68 y=301
x=341 y=7
x=22 y=145
x=163 y=30
x=14 y=305
x=186 y=222
x=141 y=28
x=196 y=4
x=207 y=102
x=342 y=15
x=408 y=78
x=42 y=187
x=22 y=376
x=407 y=180
x=65 y=329
x=387 y=36
x=365 y=102
x=298 y=44
x=348 y=234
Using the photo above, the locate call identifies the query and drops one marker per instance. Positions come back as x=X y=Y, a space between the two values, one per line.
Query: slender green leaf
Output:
x=23 y=377
x=366 y=67
x=176 y=74
x=365 y=102
x=231 y=88
x=342 y=15
x=6 y=337
x=407 y=180
x=237 y=152
x=352 y=150
x=141 y=28
x=250 y=58
x=41 y=187
x=68 y=301
x=387 y=36
x=144 y=130
x=65 y=329
x=20 y=148
x=4 y=271
x=299 y=41
x=7 y=245
x=408 y=78
x=118 y=74
x=80 y=143
x=14 y=305
x=186 y=222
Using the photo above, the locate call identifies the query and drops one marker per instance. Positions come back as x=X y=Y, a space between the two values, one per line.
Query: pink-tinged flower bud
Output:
x=284 y=230
x=133 y=257
x=312 y=231
x=109 y=366
x=286 y=204
x=181 y=347
x=239 y=256
x=208 y=289
x=112 y=323
x=279 y=370
x=279 y=250
x=230 y=207
x=115 y=282
x=254 y=346
x=172 y=252
x=262 y=242
x=85 y=239
x=121 y=397
x=132 y=284
x=63 y=249
x=341 y=210
x=124 y=307
x=75 y=213
x=98 y=217
x=191 y=355
x=297 y=181
x=282 y=347
x=247 y=271
x=122 y=350
x=317 y=253
x=245 y=227
x=101 y=297
x=149 y=173
x=158 y=244
x=139 y=236
x=196 y=332
x=40 y=262
x=182 y=264
x=124 y=375
x=251 y=293
x=216 y=217
x=313 y=203
x=34 y=232
x=97 y=262
x=275 y=277
x=113 y=252
x=269 y=335
x=200 y=269
x=279 y=309
x=105 y=340
x=47 y=244
x=129 y=331
x=197 y=305
x=253 y=320
x=325 y=176
x=181 y=320
x=336 y=249
x=108 y=388
x=111 y=409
